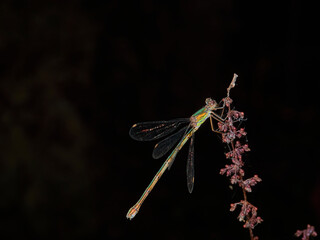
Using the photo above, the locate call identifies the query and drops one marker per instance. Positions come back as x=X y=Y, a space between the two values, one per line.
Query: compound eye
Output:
x=212 y=104
x=209 y=101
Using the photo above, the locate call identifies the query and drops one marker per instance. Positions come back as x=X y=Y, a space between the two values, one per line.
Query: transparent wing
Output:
x=190 y=165
x=166 y=144
x=184 y=139
x=148 y=131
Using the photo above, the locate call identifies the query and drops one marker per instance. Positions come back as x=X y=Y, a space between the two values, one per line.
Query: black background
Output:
x=74 y=77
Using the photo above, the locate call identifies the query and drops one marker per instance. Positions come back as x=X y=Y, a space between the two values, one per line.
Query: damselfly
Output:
x=148 y=131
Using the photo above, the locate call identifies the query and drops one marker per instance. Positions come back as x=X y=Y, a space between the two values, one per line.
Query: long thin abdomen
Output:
x=135 y=209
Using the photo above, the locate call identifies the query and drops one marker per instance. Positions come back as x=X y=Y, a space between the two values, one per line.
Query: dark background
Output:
x=74 y=77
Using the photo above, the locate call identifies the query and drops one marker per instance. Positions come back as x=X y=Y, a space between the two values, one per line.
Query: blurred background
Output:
x=75 y=76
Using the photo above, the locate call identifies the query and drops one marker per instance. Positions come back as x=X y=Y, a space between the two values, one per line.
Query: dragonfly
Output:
x=173 y=131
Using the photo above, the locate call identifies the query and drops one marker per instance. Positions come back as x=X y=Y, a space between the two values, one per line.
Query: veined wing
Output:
x=148 y=131
x=190 y=165
x=166 y=144
x=184 y=139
